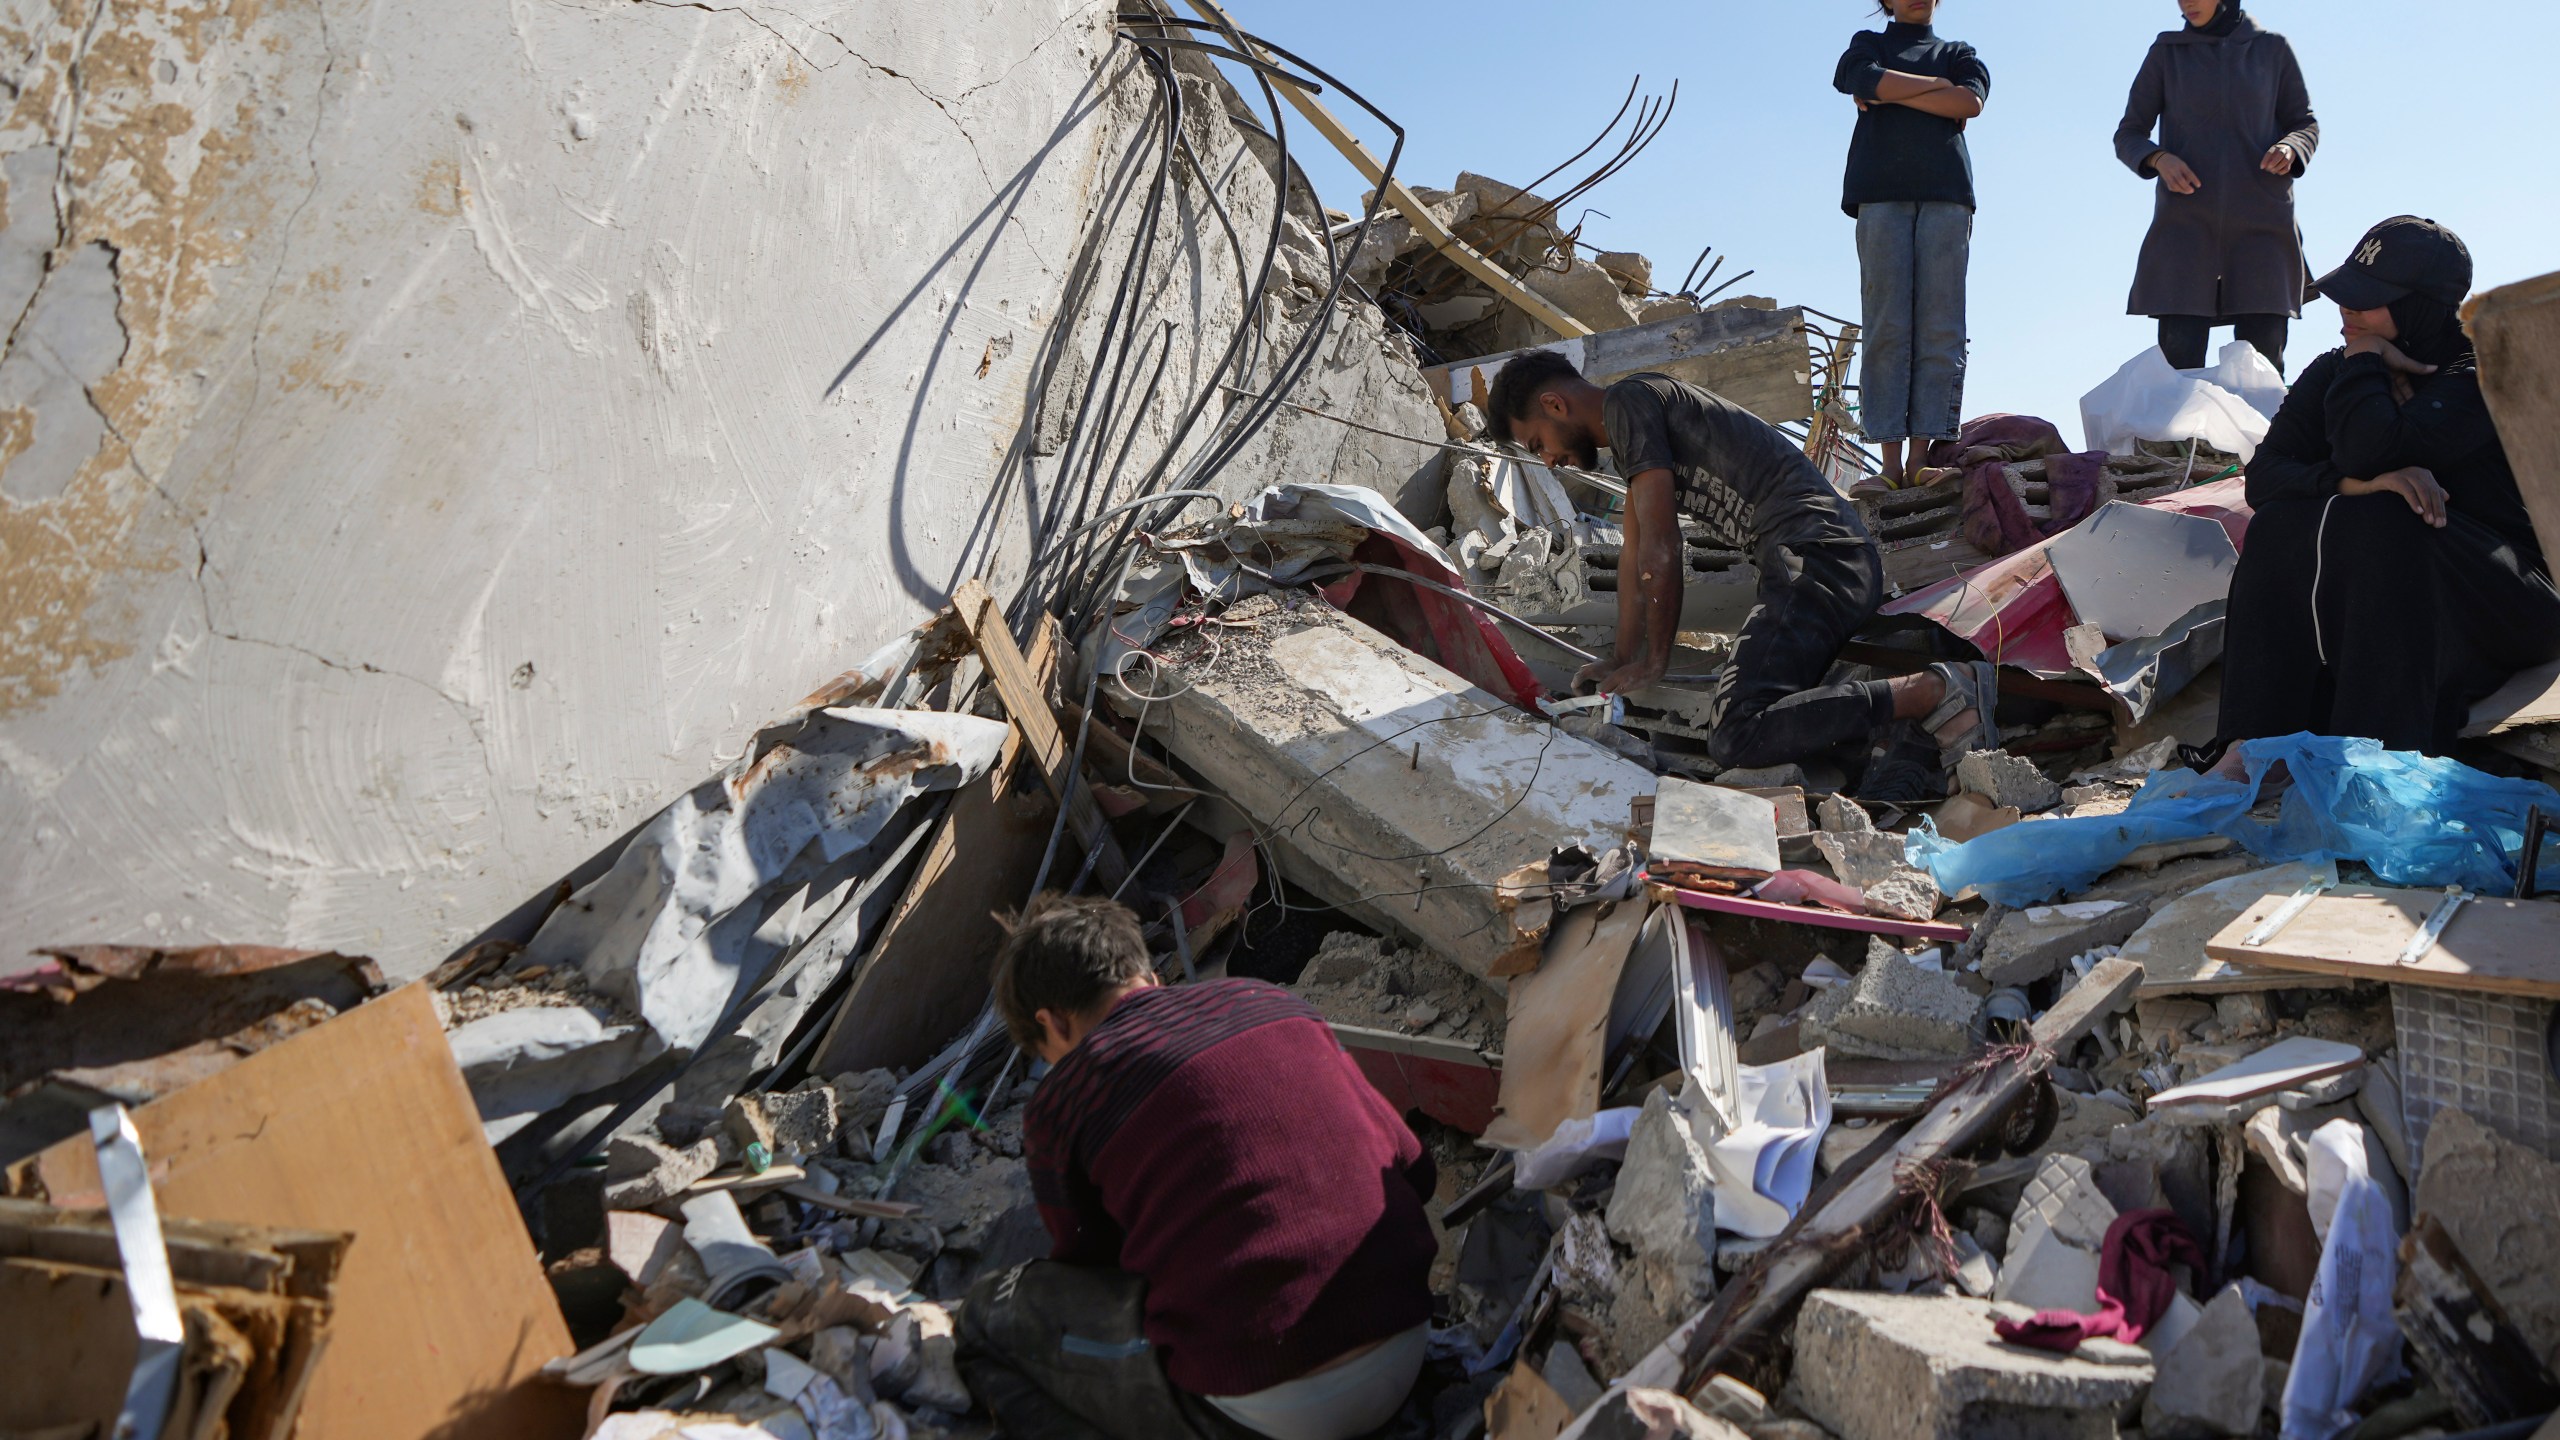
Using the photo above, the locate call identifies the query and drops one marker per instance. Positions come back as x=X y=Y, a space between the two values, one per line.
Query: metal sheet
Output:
x=2136 y=572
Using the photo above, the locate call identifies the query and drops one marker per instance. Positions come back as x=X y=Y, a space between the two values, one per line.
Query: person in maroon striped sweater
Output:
x=1236 y=1214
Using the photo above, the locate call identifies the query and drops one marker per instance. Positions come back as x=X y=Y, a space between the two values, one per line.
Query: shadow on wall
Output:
x=985 y=232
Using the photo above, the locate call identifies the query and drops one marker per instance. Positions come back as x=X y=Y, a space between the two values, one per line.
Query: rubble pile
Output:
x=2095 y=1094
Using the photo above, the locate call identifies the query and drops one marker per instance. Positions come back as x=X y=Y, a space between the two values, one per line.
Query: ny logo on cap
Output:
x=2371 y=252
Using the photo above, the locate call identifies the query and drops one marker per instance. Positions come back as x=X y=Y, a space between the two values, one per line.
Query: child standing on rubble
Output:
x=1910 y=188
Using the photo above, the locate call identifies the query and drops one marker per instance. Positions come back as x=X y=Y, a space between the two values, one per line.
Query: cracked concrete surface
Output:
x=420 y=456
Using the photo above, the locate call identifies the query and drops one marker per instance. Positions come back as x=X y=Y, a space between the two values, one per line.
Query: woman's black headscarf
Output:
x=2224 y=21
x=2431 y=332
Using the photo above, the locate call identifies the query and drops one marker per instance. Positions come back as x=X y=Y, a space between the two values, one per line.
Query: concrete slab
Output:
x=1382 y=782
x=1900 y=1367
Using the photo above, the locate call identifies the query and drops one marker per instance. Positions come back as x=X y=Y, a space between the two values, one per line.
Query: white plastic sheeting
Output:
x=2350 y=1340
x=2227 y=407
x=670 y=929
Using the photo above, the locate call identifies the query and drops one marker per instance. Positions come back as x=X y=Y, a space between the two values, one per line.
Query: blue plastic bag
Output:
x=2415 y=820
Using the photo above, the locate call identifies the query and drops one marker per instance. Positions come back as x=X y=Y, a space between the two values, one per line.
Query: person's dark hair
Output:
x=2431 y=331
x=1519 y=385
x=1064 y=954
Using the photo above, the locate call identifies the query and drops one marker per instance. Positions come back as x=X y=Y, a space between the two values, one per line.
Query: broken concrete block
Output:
x=1654 y=1415
x=2054 y=1238
x=1879 y=866
x=2007 y=781
x=2029 y=945
x=2500 y=1202
x=2378 y=1101
x=2331 y=1090
x=2208 y=1384
x=640 y=1172
x=861 y=1100
x=2169 y=1020
x=1895 y=1010
x=1842 y=815
x=1664 y=1208
x=1634 y=272
x=1375 y=772
x=1899 y=1367
x=2244 y=1016
x=791 y=1124
x=1586 y=292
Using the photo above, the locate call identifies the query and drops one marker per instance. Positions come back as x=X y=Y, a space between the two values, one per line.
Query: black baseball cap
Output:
x=2403 y=255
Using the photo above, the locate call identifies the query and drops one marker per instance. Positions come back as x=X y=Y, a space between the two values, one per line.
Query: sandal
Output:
x=1971 y=688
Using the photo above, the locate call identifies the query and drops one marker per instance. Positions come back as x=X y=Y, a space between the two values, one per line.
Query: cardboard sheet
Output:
x=443 y=1318
x=1558 y=1036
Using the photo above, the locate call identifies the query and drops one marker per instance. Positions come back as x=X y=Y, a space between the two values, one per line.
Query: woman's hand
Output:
x=2415 y=484
x=2405 y=372
x=2279 y=160
x=2176 y=173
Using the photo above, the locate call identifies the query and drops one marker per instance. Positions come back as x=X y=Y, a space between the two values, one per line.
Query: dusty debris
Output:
x=1376 y=985
x=1895 y=1010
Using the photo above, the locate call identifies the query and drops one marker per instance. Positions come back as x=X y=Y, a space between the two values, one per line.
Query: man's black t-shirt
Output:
x=1738 y=474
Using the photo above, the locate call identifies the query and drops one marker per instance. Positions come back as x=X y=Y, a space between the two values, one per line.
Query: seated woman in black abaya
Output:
x=2391 y=578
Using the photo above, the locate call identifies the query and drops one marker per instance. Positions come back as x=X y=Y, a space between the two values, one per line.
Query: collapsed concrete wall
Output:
x=431 y=437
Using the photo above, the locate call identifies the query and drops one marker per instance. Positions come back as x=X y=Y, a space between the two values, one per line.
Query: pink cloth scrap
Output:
x=2135 y=1285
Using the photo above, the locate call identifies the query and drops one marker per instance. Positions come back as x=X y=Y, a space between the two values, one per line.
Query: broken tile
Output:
x=2208 y=1387
x=1894 y=1010
x=2054 y=1238
x=2009 y=782
x=1893 y=1367
x=1714 y=830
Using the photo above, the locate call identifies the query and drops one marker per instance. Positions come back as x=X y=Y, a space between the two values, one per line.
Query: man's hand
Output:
x=2175 y=173
x=2279 y=160
x=1619 y=677
x=2415 y=484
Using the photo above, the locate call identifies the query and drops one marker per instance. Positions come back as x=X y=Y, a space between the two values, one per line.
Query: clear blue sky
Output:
x=2444 y=108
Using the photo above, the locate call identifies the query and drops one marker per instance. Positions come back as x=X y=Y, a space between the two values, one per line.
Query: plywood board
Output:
x=444 y=1320
x=2530 y=698
x=2502 y=947
x=1557 y=1039
x=2517 y=328
x=2170 y=946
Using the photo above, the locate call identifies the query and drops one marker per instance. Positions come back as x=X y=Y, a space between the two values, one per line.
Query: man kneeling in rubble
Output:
x=1239 y=1244
x=1686 y=451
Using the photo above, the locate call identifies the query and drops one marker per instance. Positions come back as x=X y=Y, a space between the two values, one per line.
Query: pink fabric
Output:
x=2135 y=1285
x=1452 y=633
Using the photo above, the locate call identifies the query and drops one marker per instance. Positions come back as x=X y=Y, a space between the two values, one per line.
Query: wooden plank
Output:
x=2495 y=946
x=1026 y=699
x=443 y=1319
x=1425 y=224
x=2518 y=331
x=927 y=974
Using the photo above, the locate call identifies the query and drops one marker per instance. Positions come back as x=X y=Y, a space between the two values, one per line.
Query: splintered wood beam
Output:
x=1026 y=700
x=1410 y=205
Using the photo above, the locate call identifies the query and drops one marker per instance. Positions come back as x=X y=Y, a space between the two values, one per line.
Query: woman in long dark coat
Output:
x=2391 y=577
x=2235 y=128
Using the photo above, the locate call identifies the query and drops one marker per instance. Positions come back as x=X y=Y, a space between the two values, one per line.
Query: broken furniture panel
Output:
x=362 y=1125
x=2492 y=945
x=1556 y=1045
x=1453 y=1083
x=1379 y=780
x=255 y=1303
